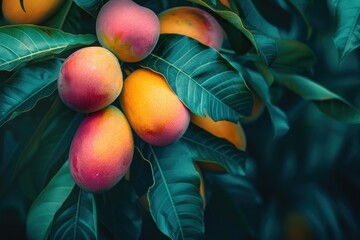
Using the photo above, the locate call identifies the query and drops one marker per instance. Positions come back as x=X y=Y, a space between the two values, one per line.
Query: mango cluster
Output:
x=91 y=80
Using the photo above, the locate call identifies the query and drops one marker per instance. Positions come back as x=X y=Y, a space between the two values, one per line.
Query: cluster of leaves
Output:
x=298 y=56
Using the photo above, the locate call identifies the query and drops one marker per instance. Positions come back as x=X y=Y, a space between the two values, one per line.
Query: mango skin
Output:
x=90 y=79
x=101 y=151
x=154 y=111
x=36 y=11
x=129 y=30
x=194 y=23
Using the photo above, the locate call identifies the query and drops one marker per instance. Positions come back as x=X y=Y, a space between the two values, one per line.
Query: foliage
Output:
x=299 y=173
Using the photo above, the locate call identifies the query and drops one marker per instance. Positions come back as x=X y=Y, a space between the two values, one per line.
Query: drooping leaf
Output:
x=53 y=143
x=20 y=134
x=23 y=43
x=293 y=56
x=347 y=35
x=77 y=221
x=328 y=102
x=26 y=87
x=301 y=6
x=78 y=22
x=45 y=206
x=243 y=195
x=92 y=6
x=175 y=201
x=57 y=21
x=25 y=155
x=205 y=147
x=120 y=213
x=201 y=77
x=252 y=15
x=264 y=44
x=278 y=117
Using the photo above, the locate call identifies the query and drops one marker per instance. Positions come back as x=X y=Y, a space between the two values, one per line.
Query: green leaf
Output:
x=26 y=87
x=22 y=43
x=203 y=146
x=293 y=56
x=243 y=195
x=120 y=213
x=201 y=77
x=264 y=44
x=278 y=117
x=91 y=6
x=251 y=15
x=175 y=202
x=300 y=6
x=329 y=103
x=45 y=206
x=53 y=145
x=57 y=21
x=347 y=35
x=77 y=221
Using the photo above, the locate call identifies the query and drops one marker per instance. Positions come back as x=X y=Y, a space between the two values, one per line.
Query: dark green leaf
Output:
x=293 y=56
x=91 y=6
x=329 y=103
x=57 y=21
x=278 y=117
x=53 y=143
x=175 y=201
x=45 y=206
x=23 y=43
x=347 y=35
x=300 y=7
x=205 y=147
x=251 y=15
x=244 y=196
x=120 y=212
x=264 y=44
x=25 y=155
x=77 y=221
x=26 y=87
x=201 y=77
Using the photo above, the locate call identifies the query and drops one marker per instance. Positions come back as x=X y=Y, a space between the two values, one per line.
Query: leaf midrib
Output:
x=167 y=190
x=187 y=75
x=26 y=100
x=34 y=54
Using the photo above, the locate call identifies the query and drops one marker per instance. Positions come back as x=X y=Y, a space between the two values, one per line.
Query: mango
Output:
x=36 y=11
x=154 y=111
x=90 y=79
x=129 y=30
x=192 y=22
x=101 y=151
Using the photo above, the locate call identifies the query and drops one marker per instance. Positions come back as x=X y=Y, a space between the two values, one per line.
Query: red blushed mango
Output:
x=129 y=30
x=90 y=79
x=102 y=150
x=154 y=111
x=194 y=23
